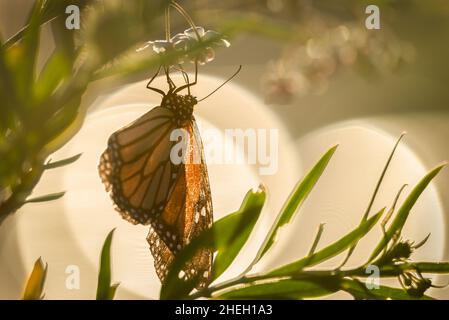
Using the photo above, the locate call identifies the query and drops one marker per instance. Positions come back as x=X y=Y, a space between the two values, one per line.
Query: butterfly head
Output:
x=181 y=105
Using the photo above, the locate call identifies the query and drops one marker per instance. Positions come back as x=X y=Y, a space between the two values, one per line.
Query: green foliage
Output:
x=35 y=284
x=298 y=196
x=359 y=291
x=48 y=197
x=106 y=290
x=236 y=229
x=31 y=120
x=61 y=163
x=226 y=237
x=296 y=280
x=332 y=250
x=282 y=289
x=39 y=110
x=403 y=212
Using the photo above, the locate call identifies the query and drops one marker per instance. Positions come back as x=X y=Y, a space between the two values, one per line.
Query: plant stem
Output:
x=186 y=16
x=388 y=271
x=22 y=191
x=167 y=23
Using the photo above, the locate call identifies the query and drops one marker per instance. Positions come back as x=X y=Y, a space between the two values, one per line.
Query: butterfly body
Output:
x=148 y=188
x=181 y=105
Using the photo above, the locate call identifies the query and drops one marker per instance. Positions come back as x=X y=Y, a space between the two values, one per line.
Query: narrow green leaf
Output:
x=296 y=199
x=50 y=10
x=390 y=212
x=227 y=235
x=106 y=291
x=317 y=239
x=36 y=281
x=61 y=163
x=398 y=223
x=7 y=92
x=373 y=197
x=331 y=250
x=56 y=69
x=64 y=37
x=25 y=67
x=66 y=115
x=422 y=242
x=281 y=289
x=360 y=291
x=48 y=197
x=233 y=233
x=112 y=291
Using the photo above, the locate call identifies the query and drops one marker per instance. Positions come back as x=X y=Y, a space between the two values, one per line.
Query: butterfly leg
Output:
x=184 y=75
x=170 y=82
x=152 y=79
x=188 y=85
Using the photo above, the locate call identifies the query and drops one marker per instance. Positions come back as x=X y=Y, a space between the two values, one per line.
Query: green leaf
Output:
x=281 y=289
x=57 y=68
x=331 y=250
x=106 y=291
x=233 y=232
x=398 y=223
x=64 y=37
x=317 y=239
x=36 y=281
x=7 y=93
x=296 y=199
x=48 y=197
x=226 y=235
x=27 y=53
x=50 y=10
x=373 y=197
x=61 y=163
x=360 y=291
x=56 y=126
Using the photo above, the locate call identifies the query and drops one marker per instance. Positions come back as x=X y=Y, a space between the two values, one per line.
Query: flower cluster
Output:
x=399 y=252
x=414 y=283
x=410 y=278
x=194 y=44
x=311 y=65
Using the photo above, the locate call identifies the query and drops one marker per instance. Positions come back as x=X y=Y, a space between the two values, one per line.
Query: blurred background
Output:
x=311 y=69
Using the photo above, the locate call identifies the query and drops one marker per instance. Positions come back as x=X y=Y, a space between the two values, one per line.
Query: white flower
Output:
x=188 y=41
x=159 y=46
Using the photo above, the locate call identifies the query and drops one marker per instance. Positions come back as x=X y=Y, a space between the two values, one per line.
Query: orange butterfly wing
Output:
x=188 y=211
x=147 y=188
x=136 y=167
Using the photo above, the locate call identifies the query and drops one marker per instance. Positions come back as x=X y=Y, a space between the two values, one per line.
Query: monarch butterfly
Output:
x=149 y=188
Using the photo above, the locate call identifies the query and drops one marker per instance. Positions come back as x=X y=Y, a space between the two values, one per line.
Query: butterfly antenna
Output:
x=229 y=79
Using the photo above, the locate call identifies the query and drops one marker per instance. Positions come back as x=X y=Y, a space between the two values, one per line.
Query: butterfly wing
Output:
x=188 y=213
x=136 y=167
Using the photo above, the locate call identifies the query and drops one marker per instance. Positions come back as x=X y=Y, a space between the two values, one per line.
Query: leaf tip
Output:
x=444 y=163
x=440 y=166
x=261 y=188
